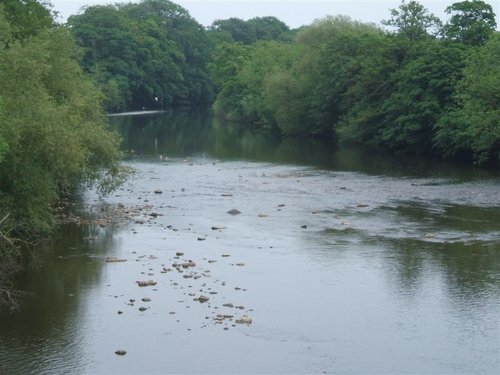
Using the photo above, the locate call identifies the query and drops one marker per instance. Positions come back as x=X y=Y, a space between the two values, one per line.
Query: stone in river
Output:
x=179 y=253
x=158 y=191
x=115 y=260
x=121 y=352
x=234 y=212
x=146 y=299
x=142 y=308
x=201 y=299
x=146 y=283
x=244 y=320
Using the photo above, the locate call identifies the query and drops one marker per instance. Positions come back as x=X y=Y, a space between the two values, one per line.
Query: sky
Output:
x=293 y=13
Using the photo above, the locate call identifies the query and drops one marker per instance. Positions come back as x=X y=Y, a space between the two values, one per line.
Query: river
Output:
x=345 y=262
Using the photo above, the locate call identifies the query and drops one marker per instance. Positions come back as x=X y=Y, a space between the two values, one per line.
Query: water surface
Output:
x=346 y=262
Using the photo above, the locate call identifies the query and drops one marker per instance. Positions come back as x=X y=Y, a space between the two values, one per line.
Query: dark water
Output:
x=346 y=262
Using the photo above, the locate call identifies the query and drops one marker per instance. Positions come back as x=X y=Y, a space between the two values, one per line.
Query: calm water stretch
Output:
x=344 y=262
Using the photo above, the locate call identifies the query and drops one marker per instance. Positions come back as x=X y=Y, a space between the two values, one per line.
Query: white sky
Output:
x=293 y=13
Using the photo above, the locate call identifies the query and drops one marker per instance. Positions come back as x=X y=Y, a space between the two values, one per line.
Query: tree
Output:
x=238 y=29
x=413 y=21
x=53 y=132
x=471 y=22
x=145 y=55
x=27 y=17
x=269 y=28
x=473 y=124
x=424 y=88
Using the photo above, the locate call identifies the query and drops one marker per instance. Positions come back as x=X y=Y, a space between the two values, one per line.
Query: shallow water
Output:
x=345 y=262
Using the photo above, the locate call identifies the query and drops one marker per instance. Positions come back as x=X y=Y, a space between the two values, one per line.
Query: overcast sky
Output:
x=293 y=13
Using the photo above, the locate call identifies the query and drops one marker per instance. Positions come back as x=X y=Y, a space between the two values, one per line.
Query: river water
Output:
x=345 y=262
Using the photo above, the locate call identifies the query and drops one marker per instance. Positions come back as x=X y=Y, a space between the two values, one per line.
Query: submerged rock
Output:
x=234 y=212
x=121 y=352
x=115 y=260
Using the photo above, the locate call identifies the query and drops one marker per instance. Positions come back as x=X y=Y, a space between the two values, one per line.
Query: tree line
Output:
x=153 y=54
x=419 y=86
x=53 y=131
x=422 y=87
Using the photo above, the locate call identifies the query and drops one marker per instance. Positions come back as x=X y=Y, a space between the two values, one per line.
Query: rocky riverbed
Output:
x=201 y=266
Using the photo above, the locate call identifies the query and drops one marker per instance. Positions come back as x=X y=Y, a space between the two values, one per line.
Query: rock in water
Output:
x=146 y=283
x=121 y=352
x=244 y=320
x=201 y=299
x=234 y=212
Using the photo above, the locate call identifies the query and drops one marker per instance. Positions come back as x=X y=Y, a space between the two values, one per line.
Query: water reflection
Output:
x=48 y=325
x=198 y=133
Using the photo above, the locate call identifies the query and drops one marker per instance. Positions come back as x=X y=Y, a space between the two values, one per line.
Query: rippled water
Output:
x=345 y=262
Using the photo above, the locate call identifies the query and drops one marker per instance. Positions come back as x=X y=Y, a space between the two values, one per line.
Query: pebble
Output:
x=146 y=283
x=244 y=320
x=201 y=299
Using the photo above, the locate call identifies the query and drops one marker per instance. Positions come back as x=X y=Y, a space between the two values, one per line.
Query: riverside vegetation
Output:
x=420 y=87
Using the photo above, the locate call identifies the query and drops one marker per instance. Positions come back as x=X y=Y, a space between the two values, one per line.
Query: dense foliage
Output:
x=151 y=54
x=248 y=32
x=53 y=133
x=420 y=88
